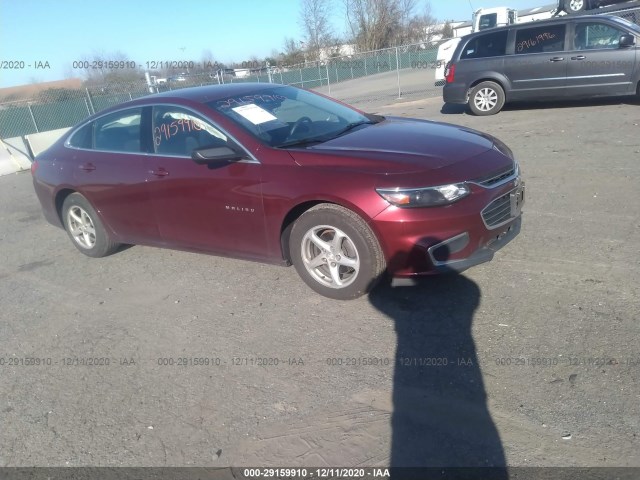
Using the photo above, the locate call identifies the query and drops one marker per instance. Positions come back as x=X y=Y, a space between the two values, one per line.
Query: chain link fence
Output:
x=371 y=77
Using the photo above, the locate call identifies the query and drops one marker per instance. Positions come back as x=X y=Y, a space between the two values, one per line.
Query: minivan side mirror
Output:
x=627 y=41
x=208 y=155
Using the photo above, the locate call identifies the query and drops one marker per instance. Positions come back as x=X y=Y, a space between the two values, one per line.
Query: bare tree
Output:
x=101 y=68
x=293 y=52
x=376 y=24
x=314 y=20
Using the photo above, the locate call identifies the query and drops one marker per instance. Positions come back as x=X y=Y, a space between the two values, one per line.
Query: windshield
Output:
x=286 y=116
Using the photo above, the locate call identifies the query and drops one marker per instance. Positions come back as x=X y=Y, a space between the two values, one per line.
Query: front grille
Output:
x=496 y=177
x=498 y=211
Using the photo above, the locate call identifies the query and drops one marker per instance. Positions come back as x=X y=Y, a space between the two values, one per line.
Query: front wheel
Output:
x=486 y=98
x=335 y=252
x=85 y=228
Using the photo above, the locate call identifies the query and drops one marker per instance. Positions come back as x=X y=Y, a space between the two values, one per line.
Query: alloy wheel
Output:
x=330 y=256
x=486 y=99
x=81 y=227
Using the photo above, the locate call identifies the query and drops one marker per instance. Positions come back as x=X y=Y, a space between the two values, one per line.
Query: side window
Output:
x=488 y=45
x=118 y=132
x=177 y=131
x=540 y=39
x=591 y=36
x=83 y=138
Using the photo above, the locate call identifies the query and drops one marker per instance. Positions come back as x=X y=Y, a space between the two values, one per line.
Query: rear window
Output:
x=488 y=45
x=82 y=138
x=540 y=39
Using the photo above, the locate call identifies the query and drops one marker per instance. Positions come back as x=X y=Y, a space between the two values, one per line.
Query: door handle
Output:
x=161 y=172
x=556 y=59
x=88 y=167
x=579 y=57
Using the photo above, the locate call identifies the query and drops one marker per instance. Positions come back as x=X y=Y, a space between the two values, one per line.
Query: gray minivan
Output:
x=567 y=57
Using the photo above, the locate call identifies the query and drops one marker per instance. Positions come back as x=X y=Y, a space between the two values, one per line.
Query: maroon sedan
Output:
x=282 y=175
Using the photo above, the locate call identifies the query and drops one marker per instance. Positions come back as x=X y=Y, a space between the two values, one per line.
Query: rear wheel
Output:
x=335 y=252
x=85 y=228
x=486 y=98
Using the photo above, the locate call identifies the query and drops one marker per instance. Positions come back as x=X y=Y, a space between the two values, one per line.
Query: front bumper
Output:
x=482 y=255
x=454 y=238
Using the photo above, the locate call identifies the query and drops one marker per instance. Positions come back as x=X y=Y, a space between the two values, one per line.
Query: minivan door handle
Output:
x=556 y=59
x=579 y=57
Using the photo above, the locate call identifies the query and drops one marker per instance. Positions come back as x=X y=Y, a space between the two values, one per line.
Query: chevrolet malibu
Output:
x=282 y=175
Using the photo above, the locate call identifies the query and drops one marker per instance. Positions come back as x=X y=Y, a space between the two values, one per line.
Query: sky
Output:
x=40 y=39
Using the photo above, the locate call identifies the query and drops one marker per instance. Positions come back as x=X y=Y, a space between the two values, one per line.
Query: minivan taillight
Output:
x=34 y=167
x=450 y=72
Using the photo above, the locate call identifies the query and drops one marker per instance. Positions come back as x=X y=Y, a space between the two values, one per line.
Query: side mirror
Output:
x=627 y=41
x=216 y=154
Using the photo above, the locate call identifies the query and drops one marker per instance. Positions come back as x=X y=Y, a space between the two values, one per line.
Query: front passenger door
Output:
x=598 y=65
x=216 y=207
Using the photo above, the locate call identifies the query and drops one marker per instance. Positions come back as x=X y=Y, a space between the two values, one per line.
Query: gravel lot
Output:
x=540 y=345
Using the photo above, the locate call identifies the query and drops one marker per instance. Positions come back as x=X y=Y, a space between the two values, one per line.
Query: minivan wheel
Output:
x=486 y=98
x=335 y=252
x=85 y=228
x=575 y=6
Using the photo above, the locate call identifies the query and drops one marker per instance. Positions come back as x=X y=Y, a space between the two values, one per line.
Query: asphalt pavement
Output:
x=154 y=357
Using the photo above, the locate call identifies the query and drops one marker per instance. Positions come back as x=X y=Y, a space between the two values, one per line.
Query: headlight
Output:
x=424 y=197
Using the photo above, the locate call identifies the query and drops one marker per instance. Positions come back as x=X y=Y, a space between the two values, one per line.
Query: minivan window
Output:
x=590 y=36
x=549 y=38
x=488 y=45
x=626 y=23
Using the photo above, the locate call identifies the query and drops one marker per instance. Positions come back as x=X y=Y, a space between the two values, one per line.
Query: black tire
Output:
x=486 y=98
x=575 y=6
x=359 y=249
x=84 y=227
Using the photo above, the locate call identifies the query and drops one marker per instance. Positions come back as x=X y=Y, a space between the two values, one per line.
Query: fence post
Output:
x=93 y=109
x=86 y=104
x=365 y=66
x=301 y=80
x=328 y=81
x=398 y=70
x=33 y=118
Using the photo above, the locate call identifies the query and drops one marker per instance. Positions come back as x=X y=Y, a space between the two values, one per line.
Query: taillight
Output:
x=34 y=167
x=450 y=72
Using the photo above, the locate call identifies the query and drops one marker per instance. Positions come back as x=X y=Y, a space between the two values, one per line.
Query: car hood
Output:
x=397 y=146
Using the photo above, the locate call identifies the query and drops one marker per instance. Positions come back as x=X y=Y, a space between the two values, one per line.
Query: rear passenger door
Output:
x=112 y=173
x=597 y=63
x=538 y=66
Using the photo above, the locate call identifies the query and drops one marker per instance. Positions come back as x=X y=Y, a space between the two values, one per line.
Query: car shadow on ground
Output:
x=440 y=416
x=456 y=109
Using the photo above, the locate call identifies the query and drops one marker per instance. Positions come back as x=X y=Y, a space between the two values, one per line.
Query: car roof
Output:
x=202 y=94
x=543 y=23
x=212 y=92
